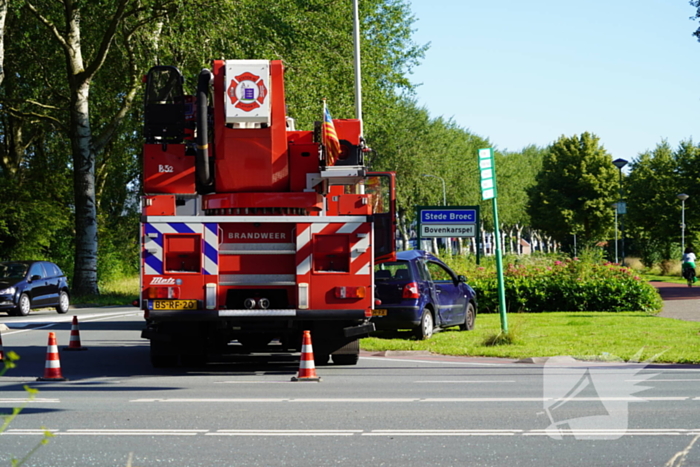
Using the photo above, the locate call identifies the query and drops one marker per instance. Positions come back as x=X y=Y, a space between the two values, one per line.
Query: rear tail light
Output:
x=163 y=292
x=350 y=292
x=410 y=290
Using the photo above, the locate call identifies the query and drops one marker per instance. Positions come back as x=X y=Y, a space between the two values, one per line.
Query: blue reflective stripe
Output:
x=180 y=227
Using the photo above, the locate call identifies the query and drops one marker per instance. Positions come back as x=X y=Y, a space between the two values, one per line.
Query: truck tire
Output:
x=163 y=361
x=345 y=359
x=321 y=359
x=161 y=356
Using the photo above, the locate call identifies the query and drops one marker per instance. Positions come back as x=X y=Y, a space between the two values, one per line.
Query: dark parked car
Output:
x=32 y=284
x=420 y=292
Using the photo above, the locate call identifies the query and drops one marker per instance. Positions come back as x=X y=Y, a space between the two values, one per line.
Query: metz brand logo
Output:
x=162 y=281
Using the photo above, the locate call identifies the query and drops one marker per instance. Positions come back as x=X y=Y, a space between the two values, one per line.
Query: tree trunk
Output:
x=3 y=16
x=85 y=272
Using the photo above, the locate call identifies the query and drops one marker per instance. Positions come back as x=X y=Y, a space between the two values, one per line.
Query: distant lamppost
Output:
x=444 y=202
x=620 y=208
x=683 y=197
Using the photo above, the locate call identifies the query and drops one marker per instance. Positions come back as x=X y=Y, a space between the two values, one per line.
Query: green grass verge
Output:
x=582 y=335
x=656 y=278
x=114 y=293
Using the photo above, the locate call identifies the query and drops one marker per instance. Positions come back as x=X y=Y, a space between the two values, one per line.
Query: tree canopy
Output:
x=573 y=192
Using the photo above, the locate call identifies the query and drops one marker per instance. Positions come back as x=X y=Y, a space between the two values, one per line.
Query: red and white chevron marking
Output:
x=360 y=246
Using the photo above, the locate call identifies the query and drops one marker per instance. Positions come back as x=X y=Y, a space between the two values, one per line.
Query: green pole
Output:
x=499 y=270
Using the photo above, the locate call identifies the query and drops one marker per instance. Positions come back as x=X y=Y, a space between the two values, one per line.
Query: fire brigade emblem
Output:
x=247 y=91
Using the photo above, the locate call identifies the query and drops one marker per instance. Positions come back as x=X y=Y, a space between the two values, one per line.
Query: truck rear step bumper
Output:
x=294 y=314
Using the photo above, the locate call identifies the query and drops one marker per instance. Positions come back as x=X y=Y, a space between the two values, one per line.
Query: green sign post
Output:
x=487 y=169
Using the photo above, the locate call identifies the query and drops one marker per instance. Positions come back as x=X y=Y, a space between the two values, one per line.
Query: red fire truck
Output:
x=251 y=232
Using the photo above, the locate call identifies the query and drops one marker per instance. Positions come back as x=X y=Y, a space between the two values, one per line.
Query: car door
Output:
x=53 y=283
x=38 y=285
x=451 y=300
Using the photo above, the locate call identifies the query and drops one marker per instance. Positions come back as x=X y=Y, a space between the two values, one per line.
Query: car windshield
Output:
x=398 y=270
x=13 y=270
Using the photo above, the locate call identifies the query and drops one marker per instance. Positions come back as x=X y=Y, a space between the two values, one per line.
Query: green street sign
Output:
x=487 y=170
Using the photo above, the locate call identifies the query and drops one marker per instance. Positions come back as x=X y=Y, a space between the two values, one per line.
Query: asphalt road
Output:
x=397 y=410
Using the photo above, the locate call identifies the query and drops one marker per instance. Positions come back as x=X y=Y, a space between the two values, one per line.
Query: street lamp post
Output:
x=444 y=199
x=683 y=197
x=620 y=209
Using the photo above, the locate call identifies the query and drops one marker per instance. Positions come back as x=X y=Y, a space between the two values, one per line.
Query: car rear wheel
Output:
x=425 y=330
x=24 y=306
x=63 y=303
x=469 y=318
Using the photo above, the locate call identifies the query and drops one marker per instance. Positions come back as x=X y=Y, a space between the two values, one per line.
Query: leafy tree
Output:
x=574 y=191
x=515 y=172
x=652 y=214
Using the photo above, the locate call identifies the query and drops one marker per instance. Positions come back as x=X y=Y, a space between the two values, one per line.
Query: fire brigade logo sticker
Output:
x=247 y=91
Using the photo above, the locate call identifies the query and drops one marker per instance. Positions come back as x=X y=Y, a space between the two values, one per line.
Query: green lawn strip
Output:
x=655 y=278
x=120 y=292
x=579 y=334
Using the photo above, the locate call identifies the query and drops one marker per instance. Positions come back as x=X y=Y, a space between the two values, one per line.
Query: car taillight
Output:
x=350 y=292
x=410 y=290
x=163 y=292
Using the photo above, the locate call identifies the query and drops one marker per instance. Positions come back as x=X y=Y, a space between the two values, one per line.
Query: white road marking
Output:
x=255 y=382
x=62 y=319
x=661 y=380
x=130 y=432
x=385 y=359
x=31 y=432
x=408 y=400
x=465 y=382
x=284 y=433
x=375 y=433
x=24 y=401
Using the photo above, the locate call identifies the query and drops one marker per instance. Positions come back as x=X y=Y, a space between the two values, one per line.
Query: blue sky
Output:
x=526 y=72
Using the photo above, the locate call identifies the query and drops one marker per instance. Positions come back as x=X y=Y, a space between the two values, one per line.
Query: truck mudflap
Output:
x=363 y=330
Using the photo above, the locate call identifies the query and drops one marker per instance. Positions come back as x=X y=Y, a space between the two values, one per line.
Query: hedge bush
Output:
x=545 y=283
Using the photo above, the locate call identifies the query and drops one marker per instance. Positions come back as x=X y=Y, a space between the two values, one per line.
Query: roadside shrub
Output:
x=543 y=284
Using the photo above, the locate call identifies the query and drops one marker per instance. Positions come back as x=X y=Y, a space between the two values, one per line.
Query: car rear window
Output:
x=52 y=270
x=398 y=270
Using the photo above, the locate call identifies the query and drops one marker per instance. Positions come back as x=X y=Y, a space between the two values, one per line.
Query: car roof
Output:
x=412 y=255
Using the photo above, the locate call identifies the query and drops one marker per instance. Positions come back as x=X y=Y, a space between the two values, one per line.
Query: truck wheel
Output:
x=163 y=361
x=346 y=359
x=425 y=330
x=321 y=359
x=469 y=318
x=254 y=342
x=161 y=357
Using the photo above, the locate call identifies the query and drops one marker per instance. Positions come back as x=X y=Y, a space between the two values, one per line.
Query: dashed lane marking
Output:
x=345 y=433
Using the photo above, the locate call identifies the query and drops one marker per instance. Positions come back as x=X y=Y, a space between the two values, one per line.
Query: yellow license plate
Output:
x=174 y=305
x=378 y=312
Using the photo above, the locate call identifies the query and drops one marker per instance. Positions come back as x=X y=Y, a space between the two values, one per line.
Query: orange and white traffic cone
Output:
x=307 y=368
x=74 y=343
x=52 y=369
